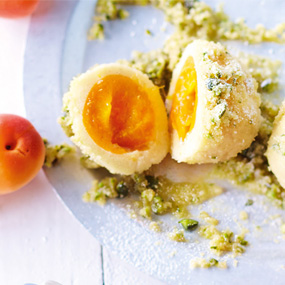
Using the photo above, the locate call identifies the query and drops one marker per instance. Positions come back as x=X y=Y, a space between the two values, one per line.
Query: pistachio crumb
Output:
x=154 y=226
x=177 y=235
x=189 y=224
x=249 y=202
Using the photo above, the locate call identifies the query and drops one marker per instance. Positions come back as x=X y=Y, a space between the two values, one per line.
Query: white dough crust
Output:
x=129 y=162
x=276 y=147
x=227 y=115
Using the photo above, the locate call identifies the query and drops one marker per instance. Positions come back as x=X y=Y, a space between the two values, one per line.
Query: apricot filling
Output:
x=183 y=110
x=118 y=115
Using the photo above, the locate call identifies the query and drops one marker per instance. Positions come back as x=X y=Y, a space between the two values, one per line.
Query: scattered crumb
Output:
x=249 y=202
x=96 y=32
x=222 y=265
x=154 y=226
x=243 y=215
x=222 y=242
x=177 y=235
x=131 y=213
x=244 y=231
x=208 y=219
x=235 y=263
x=199 y=263
x=55 y=153
x=148 y=32
x=203 y=263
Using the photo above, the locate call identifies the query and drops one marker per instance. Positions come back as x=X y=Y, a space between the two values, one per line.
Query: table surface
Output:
x=39 y=239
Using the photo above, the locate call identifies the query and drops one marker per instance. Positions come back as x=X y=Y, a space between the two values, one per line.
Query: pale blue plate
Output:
x=57 y=50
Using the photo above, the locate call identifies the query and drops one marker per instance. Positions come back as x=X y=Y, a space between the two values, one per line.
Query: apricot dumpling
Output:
x=117 y=118
x=213 y=105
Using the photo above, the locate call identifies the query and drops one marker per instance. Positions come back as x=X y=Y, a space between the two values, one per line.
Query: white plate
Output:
x=57 y=50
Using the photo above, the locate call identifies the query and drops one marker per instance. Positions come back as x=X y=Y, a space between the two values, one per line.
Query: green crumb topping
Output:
x=110 y=10
x=65 y=122
x=152 y=182
x=189 y=224
x=213 y=262
x=222 y=242
x=155 y=65
x=243 y=242
x=159 y=207
x=249 y=202
x=96 y=32
x=211 y=83
x=87 y=162
x=55 y=153
x=196 y=20
x=101 y=191
x=156 y=195
x=148 y=32
x=177 y=235
x=203 y=263
x=105 y=10
x=122 y=189
x=200 y=20
x=154 y=226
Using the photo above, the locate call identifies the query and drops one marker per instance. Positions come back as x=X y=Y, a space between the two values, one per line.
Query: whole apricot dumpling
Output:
x=117 y=117
x=213 y=105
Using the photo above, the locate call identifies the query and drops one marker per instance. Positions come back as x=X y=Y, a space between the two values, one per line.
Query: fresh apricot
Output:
x=17 y=8
x=22 y=152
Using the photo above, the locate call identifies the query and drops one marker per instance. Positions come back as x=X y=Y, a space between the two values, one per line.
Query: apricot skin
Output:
x=22 y=152
x=17 y=8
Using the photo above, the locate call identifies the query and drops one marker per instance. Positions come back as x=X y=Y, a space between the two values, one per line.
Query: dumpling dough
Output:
x=127 y=111
x=224 y=113
x=276 y=147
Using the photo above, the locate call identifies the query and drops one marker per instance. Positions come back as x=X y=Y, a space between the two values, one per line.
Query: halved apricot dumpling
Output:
x=213 y=105
x=276 y=147
x=118 y=118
